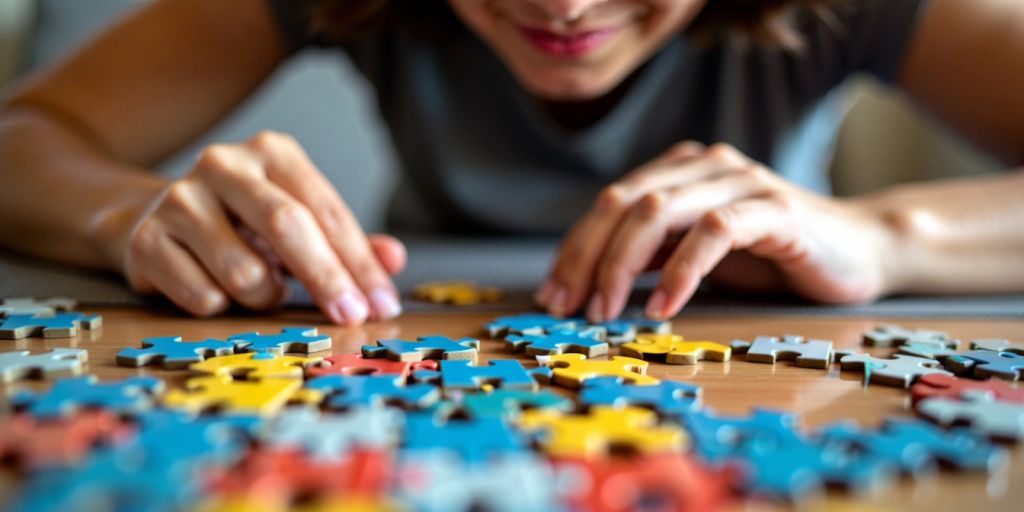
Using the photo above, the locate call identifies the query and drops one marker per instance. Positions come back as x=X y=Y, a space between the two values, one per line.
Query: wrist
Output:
x=111 y=228
x=897 y=234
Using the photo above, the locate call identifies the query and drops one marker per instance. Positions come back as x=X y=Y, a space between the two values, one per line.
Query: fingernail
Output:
x=656 y=305
x=350 y=310
x=385 y=304
x=595 y=310
x=559 y=301
x=544 y=293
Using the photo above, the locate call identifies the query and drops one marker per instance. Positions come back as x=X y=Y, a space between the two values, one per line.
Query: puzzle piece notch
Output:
x=998 y=345
x=899 y=371
x=255 y=366
x=457 y=293
x=172 y=353
x=512 y=402
x=357 y=364
x=947 y=386
x=806 y=353
x=983 y=364
x=980 y=410
x=666 y=398
x=264 y=397
x=33 y=306
x=475 y=441
x=60 y=325
x=68 y=395
x=59 y=362
x=426 y=347
x=894 y=336
x=528 y=323
x=601 y=430
x=291 y=339
x=331 y=436
x=571 y=370
x=587 y=342
x=345 y=392
x=675 y=349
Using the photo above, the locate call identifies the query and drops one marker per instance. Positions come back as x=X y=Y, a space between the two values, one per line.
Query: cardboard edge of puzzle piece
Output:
x=58 y=362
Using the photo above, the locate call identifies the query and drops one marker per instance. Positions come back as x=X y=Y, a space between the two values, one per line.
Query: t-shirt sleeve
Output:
x=874 y=34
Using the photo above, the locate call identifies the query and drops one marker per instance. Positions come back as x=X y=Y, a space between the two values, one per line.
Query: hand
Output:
x=696 y=211
x=190 y=243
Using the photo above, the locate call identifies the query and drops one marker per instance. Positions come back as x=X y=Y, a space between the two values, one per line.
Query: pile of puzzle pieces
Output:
x=264 y=423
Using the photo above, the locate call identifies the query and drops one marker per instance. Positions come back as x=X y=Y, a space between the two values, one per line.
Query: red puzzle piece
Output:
x=952 y=387
x=356 y=364
x=35 y=443
x=674 y=483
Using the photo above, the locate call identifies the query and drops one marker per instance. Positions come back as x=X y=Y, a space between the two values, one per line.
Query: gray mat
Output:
x=517 y=266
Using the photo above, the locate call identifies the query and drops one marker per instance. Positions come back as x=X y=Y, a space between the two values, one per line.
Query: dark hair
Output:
x=763 y=21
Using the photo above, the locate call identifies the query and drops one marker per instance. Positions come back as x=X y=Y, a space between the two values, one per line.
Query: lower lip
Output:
x=561 y=46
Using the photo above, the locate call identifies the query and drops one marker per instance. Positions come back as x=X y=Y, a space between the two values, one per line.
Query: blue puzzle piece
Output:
x=345 y=391
x=917 y=446
x=986 y=363
x=60 y=325
x=290 y=339
x=427 y=347
x=172 y=352
x=666 y=397
x=528 y=323
x=625 y=329
x=500 y=373
x=587 y=342
x=473 y=440
x=509 y=402
x=715 y=437
x=202 y=439
x=129 y=396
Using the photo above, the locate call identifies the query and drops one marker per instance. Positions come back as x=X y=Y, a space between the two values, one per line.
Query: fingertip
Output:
x=348 y=310
x=390 y=251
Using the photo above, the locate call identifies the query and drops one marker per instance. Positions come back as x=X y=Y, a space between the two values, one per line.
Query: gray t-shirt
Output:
x=480 y=155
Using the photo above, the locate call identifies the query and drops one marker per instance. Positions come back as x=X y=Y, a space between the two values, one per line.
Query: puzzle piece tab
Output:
x=33 y=306
x=357 y=364
x=426 y=347
x=666 y=397
x=585 y=342
x=457 y=293
x=369 y=390
x=60 y=325
x=597 y=432
x=979 y=410
x=59 y=362
x=255 y=366
x=675 y=350
x=806 y=353
x=68 y=395
x=953 y=387
x=983 y=364
x=900 y=371
x=173 y=353
x=571 y=370
x=290 y=339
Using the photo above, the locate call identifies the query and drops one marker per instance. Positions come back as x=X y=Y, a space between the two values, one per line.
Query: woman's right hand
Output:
x=245 y=213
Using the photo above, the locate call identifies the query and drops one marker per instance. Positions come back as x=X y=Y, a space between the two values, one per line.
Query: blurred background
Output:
x=321 y=100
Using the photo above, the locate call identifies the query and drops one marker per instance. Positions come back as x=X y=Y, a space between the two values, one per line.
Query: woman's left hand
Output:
x=699 y=210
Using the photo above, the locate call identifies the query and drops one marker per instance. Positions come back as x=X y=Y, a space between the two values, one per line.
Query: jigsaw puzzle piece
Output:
x=60 y=325
x=529 y=323
x=806 y=353
x=497 y=373
x=900 y=371
x=894 y=336
x=344 y=392
x=59 y=362
x=716 y=438
x=457 y=293
x=290 y=339
x=623 y=330
x=666 y=397
x=38 y=444
x=675 y=350
x=587 y=342
x=1000 y=345
x=509 y=403
x=983 y=413
x=953 y=387
x=475 y=441
x=331 y=436
x=357 y=364
x=265 y=397
x=601 y=430
x=985 y=363
x=70 y=394
x=33 y=306
x=173 y=353
x=926 y=350
x=255 y=366
x=426 y=347
x=571 y=370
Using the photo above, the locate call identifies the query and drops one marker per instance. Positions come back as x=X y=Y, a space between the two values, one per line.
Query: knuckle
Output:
x=685 y=149
x=723 y=152
x=680 y=272
x=284 y=218
x=650 y=207
x=612 y=199
x=780 y=200
x=270 y=141
x=145 y=239
x=717 y=222
x=216 y=158
x=243 y=273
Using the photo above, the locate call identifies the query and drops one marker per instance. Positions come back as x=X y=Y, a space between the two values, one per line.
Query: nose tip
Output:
x=569 y=11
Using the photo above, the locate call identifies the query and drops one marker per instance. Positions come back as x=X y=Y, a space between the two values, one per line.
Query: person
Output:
x=648 y=129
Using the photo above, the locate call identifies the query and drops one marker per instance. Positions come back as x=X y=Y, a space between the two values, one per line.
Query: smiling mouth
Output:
x=568 y=45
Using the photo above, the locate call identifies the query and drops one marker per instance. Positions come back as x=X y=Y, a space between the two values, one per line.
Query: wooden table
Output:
x=820 y=396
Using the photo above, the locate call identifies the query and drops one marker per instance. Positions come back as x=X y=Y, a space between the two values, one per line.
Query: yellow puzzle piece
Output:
x=570 y=370
x=260 y=503
x=457 y=293
x=255 y=365
x=604 y=428
x=262 y=397
x=675 y=349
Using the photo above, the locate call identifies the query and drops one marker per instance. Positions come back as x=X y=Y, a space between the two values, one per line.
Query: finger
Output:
x=288 y=165
x=737 y=226
x=390 y=252
x=290 y=229
x=198 y=222
x=158 y=262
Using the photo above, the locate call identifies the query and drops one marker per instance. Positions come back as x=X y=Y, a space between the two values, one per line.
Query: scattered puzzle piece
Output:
x=68 y=395
x=457 y=293
x=357 y=364
x=60 y=325
x=255 y=366
x=512 y=402
x=715 y=437
x=59 y=362
x=983 y=364
x=806 y=353
x=894 y=336
x=427 y=347
x=998 y=346
x=33 y=306
x=498 y=373
x=979 y=410
x=585 y=342
x=528 y=323
x=947 y=386
x=474 y=440
x=290 y=339
x=571 y=370
x=675 y=350
x=623 y=330
x=173 y=353
x=602 y=429
x=739 y=346
x=265 y=397
x=37 y=444
x=331 y=436
x=373 y=390
x=926 y=350
x=900 y=371
x=666 y=397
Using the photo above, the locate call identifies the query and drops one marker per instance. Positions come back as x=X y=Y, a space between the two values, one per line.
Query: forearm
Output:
x=61 y=197
x=956 y=236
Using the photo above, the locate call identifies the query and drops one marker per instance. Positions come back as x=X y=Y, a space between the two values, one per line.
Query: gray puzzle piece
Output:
x=59 y=362
x=33 y=306
x=926 y=350
x=983 y=364
x=894 y=336
x=985 y=415
x=806 y=353
x=997 y=345
x=900 y=371
x=330 y=436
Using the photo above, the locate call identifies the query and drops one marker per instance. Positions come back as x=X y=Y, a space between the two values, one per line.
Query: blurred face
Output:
x=575 y=50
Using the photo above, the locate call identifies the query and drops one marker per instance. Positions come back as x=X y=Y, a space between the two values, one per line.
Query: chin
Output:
x=568 y=86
